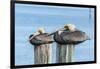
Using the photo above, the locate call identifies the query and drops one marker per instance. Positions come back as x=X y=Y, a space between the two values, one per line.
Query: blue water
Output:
x=28 y=18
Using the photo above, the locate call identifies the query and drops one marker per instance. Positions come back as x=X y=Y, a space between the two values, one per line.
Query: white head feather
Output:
x=71 y=27
x=41 y=30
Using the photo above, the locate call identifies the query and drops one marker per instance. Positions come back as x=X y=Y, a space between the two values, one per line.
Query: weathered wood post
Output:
x=70 y=52
x=64 y=53
x=42 y=54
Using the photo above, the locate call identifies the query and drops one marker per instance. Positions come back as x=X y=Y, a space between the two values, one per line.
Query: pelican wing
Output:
x=74 y=36
x=40 y=39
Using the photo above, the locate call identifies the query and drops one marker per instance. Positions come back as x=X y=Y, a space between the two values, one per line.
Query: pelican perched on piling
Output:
x=42 y=46
x=66 y=39
x=40 y=37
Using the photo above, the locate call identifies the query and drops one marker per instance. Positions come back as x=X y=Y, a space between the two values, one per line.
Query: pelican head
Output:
x=69 y=27
x=41 y=30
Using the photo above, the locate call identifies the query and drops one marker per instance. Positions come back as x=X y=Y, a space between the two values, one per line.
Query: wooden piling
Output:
x=42 y=54
x=70 y=53
x=64 y=53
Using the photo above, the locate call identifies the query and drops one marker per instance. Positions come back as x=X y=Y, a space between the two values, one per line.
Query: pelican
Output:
x=66 y=39
x=70 y=35
x=40 y=37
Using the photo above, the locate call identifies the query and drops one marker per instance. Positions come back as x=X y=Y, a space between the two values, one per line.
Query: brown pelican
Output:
x=70 y=35
x=42 y=46
x=40 y=37
x=66 y=38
